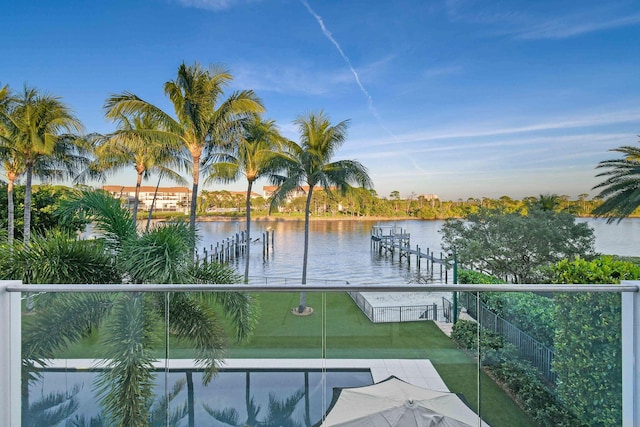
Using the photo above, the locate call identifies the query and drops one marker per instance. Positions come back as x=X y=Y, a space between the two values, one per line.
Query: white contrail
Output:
x=329 y=36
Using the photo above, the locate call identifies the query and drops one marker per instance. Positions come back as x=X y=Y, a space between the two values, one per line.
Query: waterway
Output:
x=340 y=250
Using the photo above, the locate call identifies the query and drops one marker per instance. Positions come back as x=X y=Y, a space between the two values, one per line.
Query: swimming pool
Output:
x=232 y=391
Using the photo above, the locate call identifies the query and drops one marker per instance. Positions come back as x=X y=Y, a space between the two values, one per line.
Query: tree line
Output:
x=362 y=202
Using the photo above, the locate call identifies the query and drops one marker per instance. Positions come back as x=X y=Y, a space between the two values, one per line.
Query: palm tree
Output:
x=279 y=411
x=13 y=168
x=39 y=129
x=256 y=153
x=11 y=162
x=545 y=202
x=310 y=163
x=133 y=145
x=128 y=321
x=203 y=119
x=621 y=189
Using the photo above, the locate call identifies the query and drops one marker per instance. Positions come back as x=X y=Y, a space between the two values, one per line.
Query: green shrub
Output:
x=531 y=313
x=588 y=346
x=475 y=277
x=536 y=398
x=519 y=378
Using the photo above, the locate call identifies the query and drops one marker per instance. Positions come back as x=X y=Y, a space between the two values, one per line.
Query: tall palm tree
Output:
x=42 y=132
x=311 y=163
x=256 y=153
x=203 y=119
x=621 y=188
x=133 y=145
x=11 y=161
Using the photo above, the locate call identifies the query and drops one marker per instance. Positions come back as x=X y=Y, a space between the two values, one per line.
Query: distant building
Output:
x=429 y=197
x=168 y=199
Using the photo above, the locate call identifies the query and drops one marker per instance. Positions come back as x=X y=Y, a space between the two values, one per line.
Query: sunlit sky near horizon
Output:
x=461 y=98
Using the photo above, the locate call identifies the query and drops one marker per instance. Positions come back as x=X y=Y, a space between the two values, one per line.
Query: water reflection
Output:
x=234 y=397
x=340 y=250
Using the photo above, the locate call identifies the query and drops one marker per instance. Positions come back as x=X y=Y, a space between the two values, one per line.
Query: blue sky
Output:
x=461 y=98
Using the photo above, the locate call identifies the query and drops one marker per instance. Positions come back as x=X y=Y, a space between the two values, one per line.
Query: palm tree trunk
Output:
x=307 y=417
x=190 y=400
x=136 y=200
x=246 y=265
x=303 y=295
x=153 y=202
x=27 y=204
x=247 y=397
x=194 y=192
x=10 y=212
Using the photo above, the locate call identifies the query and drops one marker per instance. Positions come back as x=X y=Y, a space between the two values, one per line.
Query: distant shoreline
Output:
x=312 y=218
x=264 y=218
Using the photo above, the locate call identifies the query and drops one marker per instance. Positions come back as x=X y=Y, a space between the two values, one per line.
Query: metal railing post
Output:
x=10 y=355
x=630 y=356
x=455 y=282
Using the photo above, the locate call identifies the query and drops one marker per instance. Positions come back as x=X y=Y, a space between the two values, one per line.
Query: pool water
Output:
x=229 y=392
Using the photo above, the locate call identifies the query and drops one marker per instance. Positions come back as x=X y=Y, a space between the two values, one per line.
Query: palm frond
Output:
x=621 y=188
x=195 y=322
x=161 y=255
x=53 y=408
x=114 y=221
x=43 y=335
x=160 y=414
x=281 y=410
x=239 y=307
x=227 y=416
x=58 y=257
x=125 y=387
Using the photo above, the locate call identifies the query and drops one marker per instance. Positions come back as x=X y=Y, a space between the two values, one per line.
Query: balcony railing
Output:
x=333 y=340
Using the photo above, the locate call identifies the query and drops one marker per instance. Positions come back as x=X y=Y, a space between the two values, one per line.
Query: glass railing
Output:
x=220 y=355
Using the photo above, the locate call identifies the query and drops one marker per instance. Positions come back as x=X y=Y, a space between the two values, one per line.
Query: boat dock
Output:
x=235 y=247
x=389 y=240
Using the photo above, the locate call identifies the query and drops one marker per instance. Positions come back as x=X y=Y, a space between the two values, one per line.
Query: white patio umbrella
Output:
x=393 y=402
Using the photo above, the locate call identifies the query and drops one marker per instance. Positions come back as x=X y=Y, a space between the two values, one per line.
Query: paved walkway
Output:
x=447 y=327
x=415 y=371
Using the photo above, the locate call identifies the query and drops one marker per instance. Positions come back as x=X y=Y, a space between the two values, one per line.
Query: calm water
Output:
x=228 y=390
x=340 y=250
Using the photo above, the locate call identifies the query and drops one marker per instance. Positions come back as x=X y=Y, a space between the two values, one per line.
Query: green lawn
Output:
x=349 y=334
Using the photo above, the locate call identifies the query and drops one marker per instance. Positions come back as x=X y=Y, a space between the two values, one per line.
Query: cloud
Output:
x=215 y=5
x=468 y=132
x=516 y=153
x=346 y=59
x=289 y=79
x=528 y=24
x=565 y=28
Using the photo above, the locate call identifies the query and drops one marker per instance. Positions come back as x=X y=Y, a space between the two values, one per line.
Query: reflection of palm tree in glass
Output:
x=55 y=408
x=279 y=412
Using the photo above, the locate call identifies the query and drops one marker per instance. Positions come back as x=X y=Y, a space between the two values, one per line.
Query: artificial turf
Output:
x=350 y=335
x=338 y=329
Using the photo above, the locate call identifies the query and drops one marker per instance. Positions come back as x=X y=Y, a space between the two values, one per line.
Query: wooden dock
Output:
x=389 y=240
x=235 y=247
